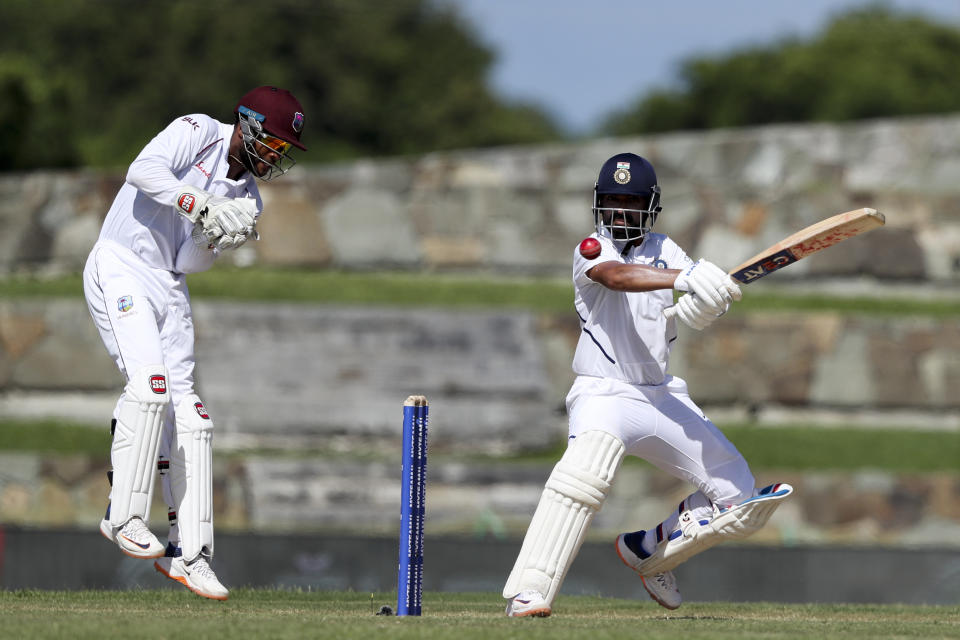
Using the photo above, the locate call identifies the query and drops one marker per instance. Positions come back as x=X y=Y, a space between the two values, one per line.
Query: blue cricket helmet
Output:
x=627 y=174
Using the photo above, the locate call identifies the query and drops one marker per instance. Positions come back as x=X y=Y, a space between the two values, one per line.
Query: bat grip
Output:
x=670 y=312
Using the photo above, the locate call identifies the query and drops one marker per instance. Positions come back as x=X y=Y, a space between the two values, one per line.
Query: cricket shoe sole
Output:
x=527 y=604
x=135 y=541
x=204 y=583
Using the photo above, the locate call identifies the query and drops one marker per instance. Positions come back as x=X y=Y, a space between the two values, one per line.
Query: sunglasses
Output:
x=274 y=143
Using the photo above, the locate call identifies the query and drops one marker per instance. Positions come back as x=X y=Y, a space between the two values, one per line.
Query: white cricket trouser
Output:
x=144 y=318
x=157 y=325
x=662 y=425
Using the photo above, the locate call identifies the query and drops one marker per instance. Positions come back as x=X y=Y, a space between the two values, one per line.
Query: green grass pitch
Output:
x=279 y=614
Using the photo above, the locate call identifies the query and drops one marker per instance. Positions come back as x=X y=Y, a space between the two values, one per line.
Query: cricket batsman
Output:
x=190 y=195
x=623 y=402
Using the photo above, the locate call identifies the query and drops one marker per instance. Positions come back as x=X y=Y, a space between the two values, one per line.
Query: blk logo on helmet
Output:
x=158 y=384
x=297 y=123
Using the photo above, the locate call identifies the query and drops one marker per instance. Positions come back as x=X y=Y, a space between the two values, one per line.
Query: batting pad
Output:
x=574 y=492
x=734 y=523
x=135 y=442
x=191 y=477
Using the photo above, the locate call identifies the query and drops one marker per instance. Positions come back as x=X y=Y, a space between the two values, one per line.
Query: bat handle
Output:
x=670 y=312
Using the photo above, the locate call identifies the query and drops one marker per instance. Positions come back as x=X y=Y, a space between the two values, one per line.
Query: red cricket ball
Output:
x=590 y=248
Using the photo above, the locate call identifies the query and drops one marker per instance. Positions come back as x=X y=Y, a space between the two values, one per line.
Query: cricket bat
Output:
x=805 y=242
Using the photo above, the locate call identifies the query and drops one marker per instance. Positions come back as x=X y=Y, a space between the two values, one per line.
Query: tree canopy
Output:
x=868 y=63
x=89 y=82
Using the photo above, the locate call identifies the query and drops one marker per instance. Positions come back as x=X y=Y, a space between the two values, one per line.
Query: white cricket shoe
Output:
x=697 y=534
x=630 y=550
x=528 y=603
x=133 y=538
x=197 y=576
x=662 y=587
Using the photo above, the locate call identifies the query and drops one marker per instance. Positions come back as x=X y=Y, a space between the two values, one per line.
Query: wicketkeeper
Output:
x=189 y=196
x=623 y=402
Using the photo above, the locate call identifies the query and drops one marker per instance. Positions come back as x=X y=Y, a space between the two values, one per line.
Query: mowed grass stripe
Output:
x=264 y=613
x=781 y=448
x=799 y=447
x=403 y=288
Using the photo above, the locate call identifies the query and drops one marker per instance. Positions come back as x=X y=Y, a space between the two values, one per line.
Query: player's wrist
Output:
x=191 y=202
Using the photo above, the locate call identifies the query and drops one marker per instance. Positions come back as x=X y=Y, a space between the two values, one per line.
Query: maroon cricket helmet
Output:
x=277 y=111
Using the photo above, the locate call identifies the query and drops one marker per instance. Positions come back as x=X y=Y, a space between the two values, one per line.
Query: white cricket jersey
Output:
x=624 y=334
x=192 y=150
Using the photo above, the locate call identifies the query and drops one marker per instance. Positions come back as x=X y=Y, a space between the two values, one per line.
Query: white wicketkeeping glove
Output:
x=223 y=243
x=710 y=283
x=229 y=224
x=694 y=312
x=223 y=223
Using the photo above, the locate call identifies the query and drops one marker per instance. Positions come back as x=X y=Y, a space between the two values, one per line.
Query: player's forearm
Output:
x=632 y=277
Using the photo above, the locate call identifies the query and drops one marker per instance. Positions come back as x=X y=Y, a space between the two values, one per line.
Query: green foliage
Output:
x=32 y=108
x=89 y=82
x=869 y=63
x=279 y=614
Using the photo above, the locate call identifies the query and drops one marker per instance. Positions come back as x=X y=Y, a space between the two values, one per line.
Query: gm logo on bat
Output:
x=763 y=267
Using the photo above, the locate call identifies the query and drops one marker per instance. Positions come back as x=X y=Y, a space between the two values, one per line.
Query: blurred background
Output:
x=423 y=245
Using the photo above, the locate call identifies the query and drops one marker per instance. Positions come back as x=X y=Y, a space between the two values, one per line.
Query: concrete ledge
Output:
x=329 y=494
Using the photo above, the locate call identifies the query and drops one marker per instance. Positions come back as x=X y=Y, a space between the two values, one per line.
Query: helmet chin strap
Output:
x=242 y=162
x=248 y=161
x=621 y=245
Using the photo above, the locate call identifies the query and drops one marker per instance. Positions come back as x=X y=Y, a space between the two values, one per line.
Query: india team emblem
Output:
x=622 y=173
x=297 y=121
x=125 y=303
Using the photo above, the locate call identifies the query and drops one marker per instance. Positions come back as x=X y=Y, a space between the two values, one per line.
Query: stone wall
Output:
x=270 y=494
x=275 y=374
x=727 y=195
x=334 y=377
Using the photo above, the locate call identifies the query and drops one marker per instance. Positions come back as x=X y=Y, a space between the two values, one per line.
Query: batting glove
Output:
x=695 y=313
x=710 y=283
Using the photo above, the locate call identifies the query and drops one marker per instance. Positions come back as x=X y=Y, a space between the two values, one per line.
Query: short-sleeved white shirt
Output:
x=625 y=334
x=191 y=150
